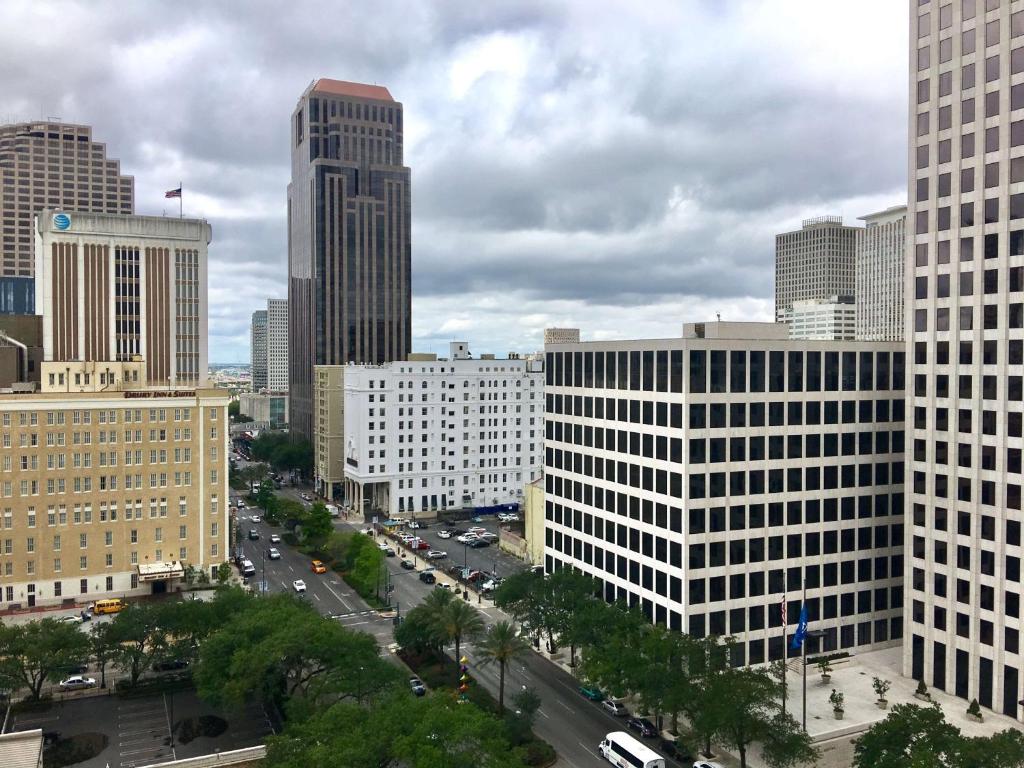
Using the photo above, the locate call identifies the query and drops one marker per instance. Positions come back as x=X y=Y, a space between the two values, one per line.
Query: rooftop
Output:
x=21 y=749
x=353 y=90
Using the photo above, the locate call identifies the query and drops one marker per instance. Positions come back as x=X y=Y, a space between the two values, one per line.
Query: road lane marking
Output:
x=340 y=600
x=565 y=705
x=316 y=596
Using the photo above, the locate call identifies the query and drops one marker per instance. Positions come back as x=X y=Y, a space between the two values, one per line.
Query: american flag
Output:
x=784 y=622
x=173 y=192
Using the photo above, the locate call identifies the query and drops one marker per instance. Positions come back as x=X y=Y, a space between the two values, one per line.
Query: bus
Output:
x=110 y=605
x=621 y=749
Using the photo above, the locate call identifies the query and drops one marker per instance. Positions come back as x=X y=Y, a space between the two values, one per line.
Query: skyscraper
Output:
x=277 y=345
x=349 y=254
x=965 y=346
x=880 y=259
x=258 y=350
x=814 y=262
x=114 y=288
x=49 y=165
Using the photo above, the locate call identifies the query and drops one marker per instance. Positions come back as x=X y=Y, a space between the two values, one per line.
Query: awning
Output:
x=159 y=571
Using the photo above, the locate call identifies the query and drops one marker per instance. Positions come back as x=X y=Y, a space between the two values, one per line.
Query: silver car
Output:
x=77 y=683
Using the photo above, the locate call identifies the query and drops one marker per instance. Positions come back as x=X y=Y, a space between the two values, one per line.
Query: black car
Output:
x=170 y=665
x=408 y=565
x=253 y=534
x=427 y=577
x=641 y=726
x=458 y=531
x=478 y=543
x=449 y=523
x=675 y=751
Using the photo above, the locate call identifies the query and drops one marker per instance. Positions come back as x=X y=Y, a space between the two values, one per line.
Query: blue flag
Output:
x=801 y=628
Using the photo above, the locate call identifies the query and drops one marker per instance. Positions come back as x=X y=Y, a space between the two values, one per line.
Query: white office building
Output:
x=277 y=345
x=814 y=262
x=831 y=319
x=965 y=350
x=880 y=260
x=258 y=350
x=430 y=434
x=709 y=478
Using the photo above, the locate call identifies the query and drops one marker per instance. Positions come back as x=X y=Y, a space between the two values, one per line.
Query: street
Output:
x=571 y=724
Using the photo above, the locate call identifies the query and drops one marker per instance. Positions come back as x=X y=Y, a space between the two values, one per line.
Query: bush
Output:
x=828 y=657
x=536 y=753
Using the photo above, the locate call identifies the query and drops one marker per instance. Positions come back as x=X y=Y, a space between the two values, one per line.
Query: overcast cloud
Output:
x=620 y=167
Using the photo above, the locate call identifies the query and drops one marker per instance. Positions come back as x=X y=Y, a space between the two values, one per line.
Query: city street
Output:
x=571 y=724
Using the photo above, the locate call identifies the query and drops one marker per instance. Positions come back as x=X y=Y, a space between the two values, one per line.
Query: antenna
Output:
x=719 y=316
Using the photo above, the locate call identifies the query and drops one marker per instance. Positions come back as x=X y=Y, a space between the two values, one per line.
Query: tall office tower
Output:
x=258 y=350
x=277 y=345
x=709 y=478
x=49 y=165
x=112 y=287
x=349 y=255
x=831 y=319
x=814 y=262
x=880 y=259
x=965 y=332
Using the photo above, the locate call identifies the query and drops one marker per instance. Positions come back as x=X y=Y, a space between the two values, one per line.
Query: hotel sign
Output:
x=155 y=393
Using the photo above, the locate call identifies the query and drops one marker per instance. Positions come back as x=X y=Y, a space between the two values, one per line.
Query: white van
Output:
x=248 y=569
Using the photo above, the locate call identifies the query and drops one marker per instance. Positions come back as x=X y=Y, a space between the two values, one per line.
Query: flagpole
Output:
x=180 y=211
x=803 y=651
x=785 y=613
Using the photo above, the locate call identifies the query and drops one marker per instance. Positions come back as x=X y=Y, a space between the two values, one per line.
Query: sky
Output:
x=619 y=167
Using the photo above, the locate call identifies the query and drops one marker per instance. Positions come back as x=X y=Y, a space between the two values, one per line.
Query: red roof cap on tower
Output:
x=355 y=90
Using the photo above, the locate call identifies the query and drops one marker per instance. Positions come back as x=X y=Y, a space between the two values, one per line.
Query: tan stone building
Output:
x=108 y=488
x=329 y=429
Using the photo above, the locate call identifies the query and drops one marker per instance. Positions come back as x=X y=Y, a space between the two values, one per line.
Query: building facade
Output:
x=109 y=488
x=832 y=319
x=425 y=435
x=709 y=478
x=965 y=335
x=277 y=345
x=880 y=261
x=814 y=262
x=49 y=164
x=329 y=430
x=112 y=287
x=265 y=408
x=561 y=336
x=258 y=350
x=349 y=228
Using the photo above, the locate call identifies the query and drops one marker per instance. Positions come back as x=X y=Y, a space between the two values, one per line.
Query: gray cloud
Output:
x=591 y=159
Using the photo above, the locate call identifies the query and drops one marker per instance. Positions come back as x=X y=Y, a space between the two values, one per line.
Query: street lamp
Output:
x=465 y=570
x=815 y=633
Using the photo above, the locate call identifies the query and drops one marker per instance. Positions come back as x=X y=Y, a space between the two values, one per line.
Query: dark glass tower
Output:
x=349 y=255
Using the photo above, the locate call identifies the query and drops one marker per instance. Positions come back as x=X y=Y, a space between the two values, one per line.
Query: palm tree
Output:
x=459 y=620
x=501 y=644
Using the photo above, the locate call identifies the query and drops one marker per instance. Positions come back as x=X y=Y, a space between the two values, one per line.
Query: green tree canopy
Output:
x=317 y=526
x=40 y=651
x=500 y=645
x=137 y=637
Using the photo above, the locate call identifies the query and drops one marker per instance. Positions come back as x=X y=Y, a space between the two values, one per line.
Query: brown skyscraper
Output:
x=52 y=165
x=349 y=255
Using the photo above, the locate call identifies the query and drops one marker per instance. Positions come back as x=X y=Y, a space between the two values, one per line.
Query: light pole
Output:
x=465 y=569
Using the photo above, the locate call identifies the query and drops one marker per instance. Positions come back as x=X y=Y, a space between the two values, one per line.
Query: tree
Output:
x=137 y=638
x=910 y=736
x=418 y=633
x=317 y=526
x=457 y=621
x=40 y=651
x=223 y=574
x=567 y=590
x=101 y=649
x=501 y=644
x=747 y=712
x=524 y=596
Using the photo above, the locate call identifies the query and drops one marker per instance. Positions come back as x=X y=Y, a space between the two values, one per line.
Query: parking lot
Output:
x=138 y=731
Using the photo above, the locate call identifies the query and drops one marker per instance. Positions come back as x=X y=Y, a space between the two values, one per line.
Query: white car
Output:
x=306 y=497
x=255 y=518
x=73 y=619
x=241 y=504
x=477 y=530
x=77 y=683
x=436 y=554
x=489 y=536
x=299 y=585
x=466 y=538
x=444 y=534
x=275 y=539
x=273 y=554
x=414 y=525
x=706 y=764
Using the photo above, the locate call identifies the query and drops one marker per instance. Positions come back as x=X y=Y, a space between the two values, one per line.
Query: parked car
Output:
x=444 y=534
x=368 y=531
x=641 y=726
x=614 y=708
x=414 y=525
x=417 y=686
x=255 y=518
x=419 y=544
x=273 y=554
x=449 y=523
x=170 y=665
x=477 y=530
x=706 y=764
x=318 y=567
x=436 y=554
x=445 y=587
x=428 y=577
x=299 y=585
x=306 y=497
x=489 y=537
x=253 y=534
x=591 y=692
x=77 y=683
x=75 y=619
x=408 y=565
x=478 y=543
x=458 y=531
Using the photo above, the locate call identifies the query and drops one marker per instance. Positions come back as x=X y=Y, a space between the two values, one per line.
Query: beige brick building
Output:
x=108 y=488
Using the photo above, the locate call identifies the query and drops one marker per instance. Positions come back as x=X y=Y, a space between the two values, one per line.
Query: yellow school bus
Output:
x=112 y=605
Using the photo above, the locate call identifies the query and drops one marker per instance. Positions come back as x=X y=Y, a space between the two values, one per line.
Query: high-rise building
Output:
x=258 y=350
x=880 y=259
x=814 y=262
x=460 y=432
x=49 y=165
x=349 y=255
x=277 y=345
x=965 y=349
x=831 y=319
x=114 y=287
x=110 y=488
x=709 y=478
